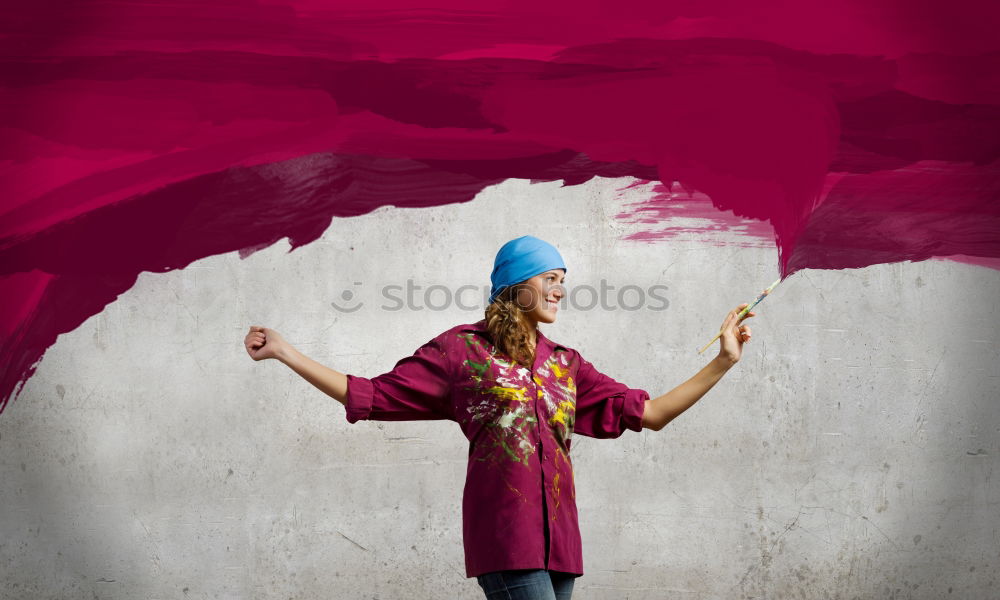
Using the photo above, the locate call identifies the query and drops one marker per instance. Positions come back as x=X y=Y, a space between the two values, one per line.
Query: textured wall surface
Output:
x=850 y=453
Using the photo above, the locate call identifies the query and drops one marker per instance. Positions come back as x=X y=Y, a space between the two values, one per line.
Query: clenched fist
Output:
x=262 y=342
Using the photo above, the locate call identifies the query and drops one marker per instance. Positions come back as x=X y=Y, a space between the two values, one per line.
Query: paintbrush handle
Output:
x=742 y=313
x=705 y=347
x=738 y=317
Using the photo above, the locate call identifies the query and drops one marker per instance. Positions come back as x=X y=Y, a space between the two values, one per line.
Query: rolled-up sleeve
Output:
x=605 y=408
x=417 y=388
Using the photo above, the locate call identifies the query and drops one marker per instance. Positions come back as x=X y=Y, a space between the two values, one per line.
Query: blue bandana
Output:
x=523 y=258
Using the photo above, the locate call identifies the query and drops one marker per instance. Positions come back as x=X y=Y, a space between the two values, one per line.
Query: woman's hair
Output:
x=509 y=329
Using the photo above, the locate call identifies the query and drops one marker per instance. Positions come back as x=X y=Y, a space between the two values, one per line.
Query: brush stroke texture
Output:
x=144 y=136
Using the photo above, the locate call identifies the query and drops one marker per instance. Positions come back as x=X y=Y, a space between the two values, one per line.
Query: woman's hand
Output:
x=262 y=342
x=734 y=335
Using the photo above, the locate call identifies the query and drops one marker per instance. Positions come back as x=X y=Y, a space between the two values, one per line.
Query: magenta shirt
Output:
x=519 y=424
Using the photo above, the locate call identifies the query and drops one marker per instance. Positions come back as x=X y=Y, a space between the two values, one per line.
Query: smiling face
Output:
x=540 y=295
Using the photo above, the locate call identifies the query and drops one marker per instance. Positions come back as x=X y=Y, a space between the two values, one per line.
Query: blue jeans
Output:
x=527 y=584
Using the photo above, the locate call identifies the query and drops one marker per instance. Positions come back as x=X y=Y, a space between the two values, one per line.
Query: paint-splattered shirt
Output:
x=519 y=424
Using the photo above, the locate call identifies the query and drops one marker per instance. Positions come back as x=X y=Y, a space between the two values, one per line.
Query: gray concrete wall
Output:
x=849 y=455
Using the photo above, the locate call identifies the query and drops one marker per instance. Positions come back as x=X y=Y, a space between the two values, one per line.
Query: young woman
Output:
x=518 y=397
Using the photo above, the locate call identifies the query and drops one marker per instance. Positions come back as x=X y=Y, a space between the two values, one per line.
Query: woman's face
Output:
x=539 y=296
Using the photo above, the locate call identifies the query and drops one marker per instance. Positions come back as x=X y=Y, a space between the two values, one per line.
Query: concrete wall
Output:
x=849 y=455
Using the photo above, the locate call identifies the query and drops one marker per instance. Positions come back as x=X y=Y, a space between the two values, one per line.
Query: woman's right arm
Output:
x=263 y=342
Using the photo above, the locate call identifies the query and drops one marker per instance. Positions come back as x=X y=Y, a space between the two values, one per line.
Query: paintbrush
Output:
x=743 y=312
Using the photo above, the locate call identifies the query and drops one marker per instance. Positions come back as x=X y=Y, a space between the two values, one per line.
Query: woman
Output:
x=518 y=397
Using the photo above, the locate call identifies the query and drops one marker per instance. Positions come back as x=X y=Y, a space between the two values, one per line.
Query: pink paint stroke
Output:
x=143 y=136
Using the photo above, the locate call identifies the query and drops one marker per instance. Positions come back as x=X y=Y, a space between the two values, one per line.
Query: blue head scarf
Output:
x=523 y=258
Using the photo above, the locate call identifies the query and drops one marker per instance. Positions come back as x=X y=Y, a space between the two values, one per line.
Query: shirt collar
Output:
x=543 y=338
x=480 y=327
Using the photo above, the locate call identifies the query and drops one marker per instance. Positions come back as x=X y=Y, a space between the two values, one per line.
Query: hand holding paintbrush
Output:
x=740 y=333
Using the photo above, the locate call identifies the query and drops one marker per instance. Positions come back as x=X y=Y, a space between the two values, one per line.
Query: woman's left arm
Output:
x=663 y=409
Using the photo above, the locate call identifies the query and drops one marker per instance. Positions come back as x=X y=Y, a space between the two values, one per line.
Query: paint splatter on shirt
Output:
x=519 y=423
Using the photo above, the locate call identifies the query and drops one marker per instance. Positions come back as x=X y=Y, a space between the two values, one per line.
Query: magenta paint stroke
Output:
x=144 y=136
